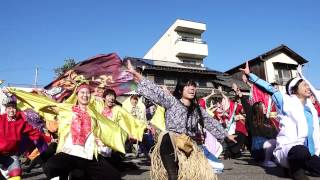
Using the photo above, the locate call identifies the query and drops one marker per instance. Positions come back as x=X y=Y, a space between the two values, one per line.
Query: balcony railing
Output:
x=190 y=39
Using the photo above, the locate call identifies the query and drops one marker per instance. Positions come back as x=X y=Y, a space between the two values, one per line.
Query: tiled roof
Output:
x=173 y=66
x=282 y=48
x=227 y=80
x=222 y=79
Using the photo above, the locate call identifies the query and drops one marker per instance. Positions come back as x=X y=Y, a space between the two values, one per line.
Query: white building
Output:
x=278 y=65
x=181 y=43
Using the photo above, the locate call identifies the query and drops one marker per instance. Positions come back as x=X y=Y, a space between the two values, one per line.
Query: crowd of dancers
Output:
x=88 y=134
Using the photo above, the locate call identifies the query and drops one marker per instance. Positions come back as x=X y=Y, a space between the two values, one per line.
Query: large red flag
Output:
x=105 y=69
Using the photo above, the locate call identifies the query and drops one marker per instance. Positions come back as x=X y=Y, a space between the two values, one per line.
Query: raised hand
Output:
x=136 y=76
x=246 y=70
x=232 y=138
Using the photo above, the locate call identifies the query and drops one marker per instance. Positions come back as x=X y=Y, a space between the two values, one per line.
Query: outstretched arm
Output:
x=275 y=93
x=151 y=91
x=215 y=128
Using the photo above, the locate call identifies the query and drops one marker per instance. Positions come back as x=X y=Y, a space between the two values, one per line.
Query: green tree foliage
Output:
x=68 y=64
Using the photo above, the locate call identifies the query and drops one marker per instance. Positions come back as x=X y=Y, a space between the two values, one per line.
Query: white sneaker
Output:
x=269 y=164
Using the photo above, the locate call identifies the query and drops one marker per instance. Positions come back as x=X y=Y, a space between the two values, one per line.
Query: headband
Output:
x=292 y=84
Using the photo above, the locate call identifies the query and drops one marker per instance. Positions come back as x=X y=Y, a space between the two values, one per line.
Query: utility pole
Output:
x=36 y=78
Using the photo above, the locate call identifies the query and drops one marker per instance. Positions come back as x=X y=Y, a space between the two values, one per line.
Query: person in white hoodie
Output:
x=297 y=144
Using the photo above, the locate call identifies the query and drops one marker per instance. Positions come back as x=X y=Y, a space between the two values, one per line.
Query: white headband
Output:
x=293 y=83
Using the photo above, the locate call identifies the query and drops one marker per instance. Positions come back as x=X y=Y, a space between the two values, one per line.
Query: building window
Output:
x=158 y=80
x=190 y=39
x=169 y=82
x=209 y=84
x=282 y=74
x=189 y=61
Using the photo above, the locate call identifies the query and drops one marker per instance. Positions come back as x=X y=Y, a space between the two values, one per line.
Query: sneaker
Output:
x=269 y=164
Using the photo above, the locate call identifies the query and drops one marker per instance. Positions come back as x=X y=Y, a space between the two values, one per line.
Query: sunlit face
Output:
x=109 y=100
x=84 y=96
x=134 y=102
x=303 y=90
x=189 y=92
x=98 y=92
x=11 y=111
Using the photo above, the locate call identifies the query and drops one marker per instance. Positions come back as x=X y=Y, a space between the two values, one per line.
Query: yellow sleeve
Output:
x=39 y=103
x=133 y=126
x=158 y=118
x=107 y=131
x=31 y=100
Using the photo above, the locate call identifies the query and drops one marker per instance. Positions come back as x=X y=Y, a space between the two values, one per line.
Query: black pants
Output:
x=167 y=157
x=43 y=157
x=233 y=150
x=62 y=164
x=300 y=158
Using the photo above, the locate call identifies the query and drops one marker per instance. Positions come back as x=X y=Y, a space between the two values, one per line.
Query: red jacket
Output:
x=317 y=106
x=12 y=131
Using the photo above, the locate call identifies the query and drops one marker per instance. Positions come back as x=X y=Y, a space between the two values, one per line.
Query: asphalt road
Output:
x=240 y=169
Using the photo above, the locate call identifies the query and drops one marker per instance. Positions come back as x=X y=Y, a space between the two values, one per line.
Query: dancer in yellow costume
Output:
x=80 y=125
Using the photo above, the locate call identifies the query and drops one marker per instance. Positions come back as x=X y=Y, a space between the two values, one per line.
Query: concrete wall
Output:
x=281 y=58
x=167 y=47
x=270 y=70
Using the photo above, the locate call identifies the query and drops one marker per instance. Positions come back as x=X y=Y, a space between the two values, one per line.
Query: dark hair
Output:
x=194 y=103
x=134 y=97
x=180 y=85
x=12 y=104
x=294 y=89
x=257 y=114
x=109 y=92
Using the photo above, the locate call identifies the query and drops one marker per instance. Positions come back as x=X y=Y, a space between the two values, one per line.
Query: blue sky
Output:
x=43 y=33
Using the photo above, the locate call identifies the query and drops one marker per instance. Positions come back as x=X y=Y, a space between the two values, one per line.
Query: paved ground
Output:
x=241 y=169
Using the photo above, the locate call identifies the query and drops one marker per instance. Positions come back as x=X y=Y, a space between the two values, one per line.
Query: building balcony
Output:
x=191 y=48
x=189 y=27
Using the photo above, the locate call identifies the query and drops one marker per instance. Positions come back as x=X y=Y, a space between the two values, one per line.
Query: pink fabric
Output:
x=275 y=122
x=241 y=127
x=15 y=172
x=259 y=96
x=211 y=143
x=202 y=103
x=240 y=124
x=317 y=106
x=80 y=126
x=107 y=113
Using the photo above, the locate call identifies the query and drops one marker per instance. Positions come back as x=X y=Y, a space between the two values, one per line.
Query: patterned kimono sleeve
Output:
x=155 y=93
x=213 y=126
